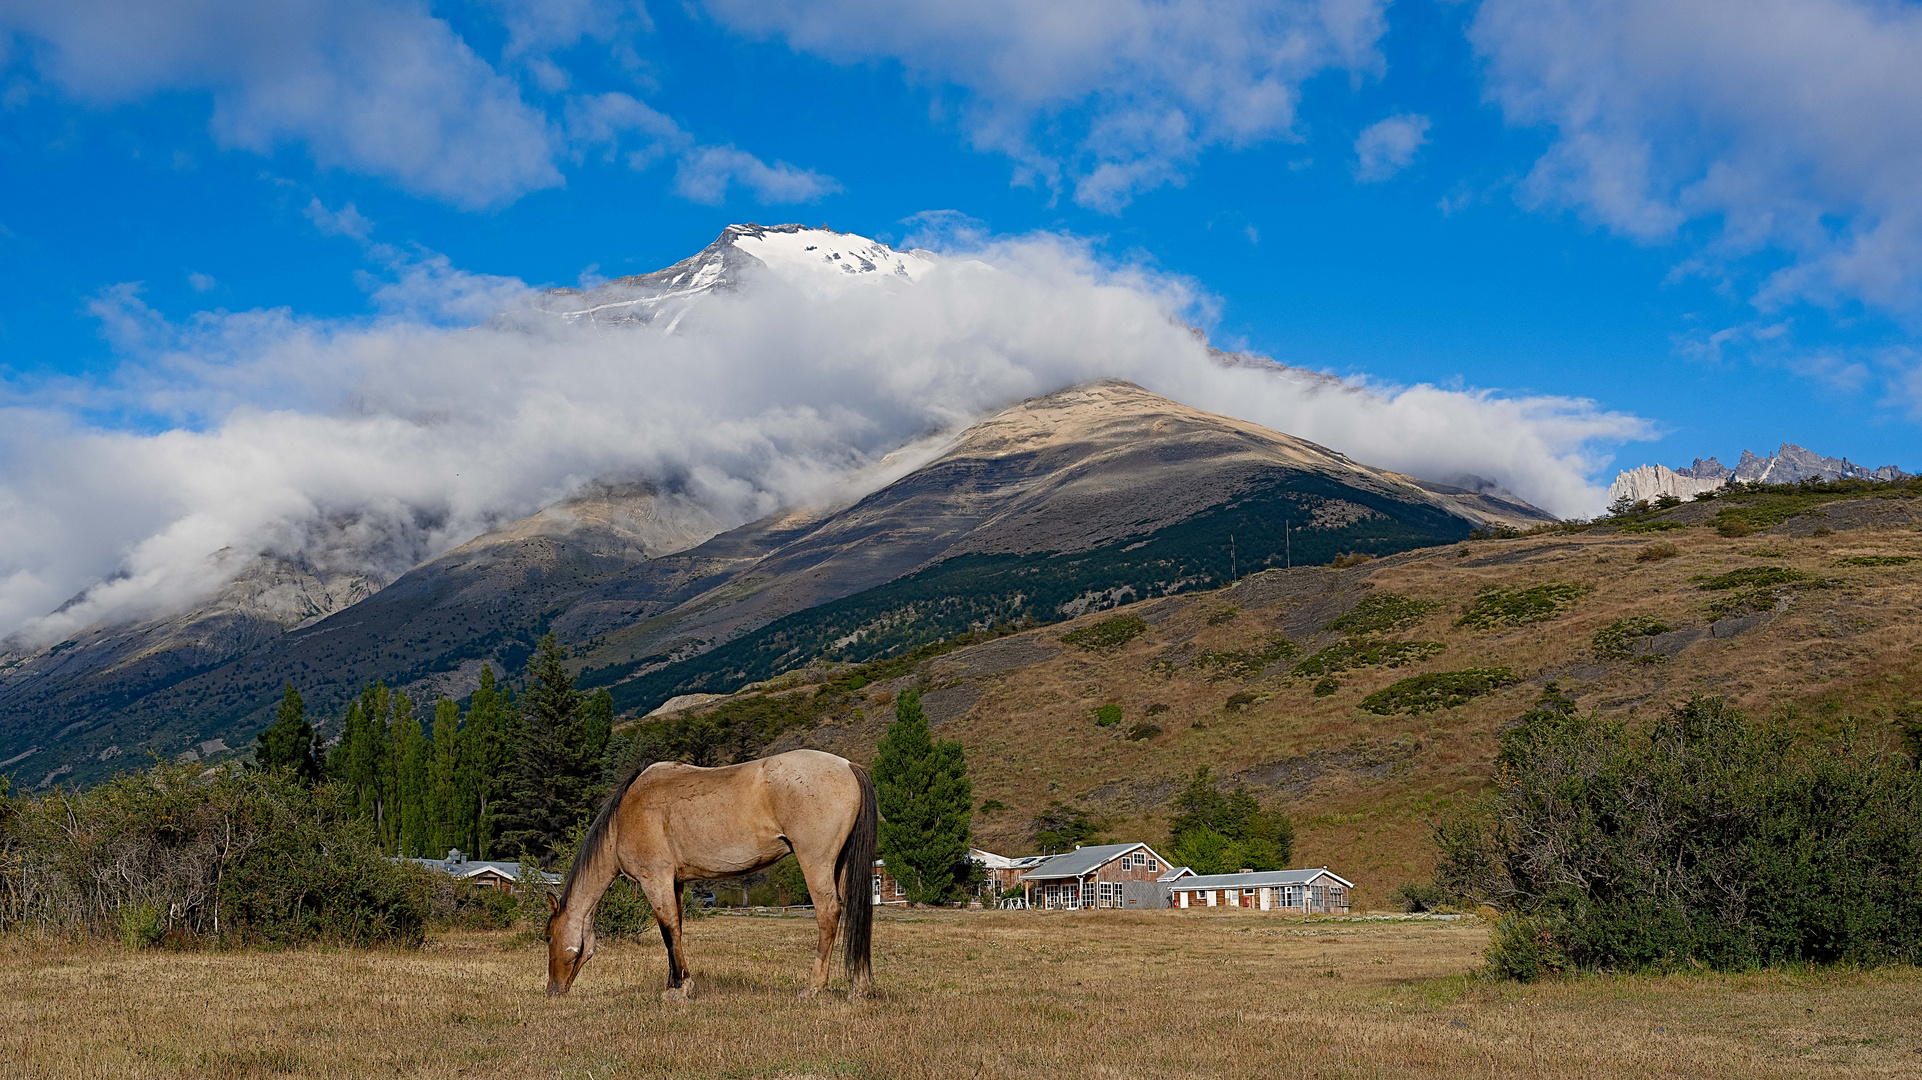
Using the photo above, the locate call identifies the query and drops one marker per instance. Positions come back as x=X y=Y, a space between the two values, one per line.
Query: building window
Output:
x=900 y=889
x=1153 y=867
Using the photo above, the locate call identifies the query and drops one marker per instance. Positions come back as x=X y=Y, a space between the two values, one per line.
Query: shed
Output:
x=505 y=876
x=1314 y=891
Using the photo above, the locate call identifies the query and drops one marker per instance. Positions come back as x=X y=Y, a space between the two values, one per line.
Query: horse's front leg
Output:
x=664 y=896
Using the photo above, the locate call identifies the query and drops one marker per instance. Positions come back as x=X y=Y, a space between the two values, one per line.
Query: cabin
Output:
x=1104 y=876
x=505 y=876
x=1314 y=891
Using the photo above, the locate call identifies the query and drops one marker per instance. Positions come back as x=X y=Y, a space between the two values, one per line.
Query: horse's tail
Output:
x=854 y=878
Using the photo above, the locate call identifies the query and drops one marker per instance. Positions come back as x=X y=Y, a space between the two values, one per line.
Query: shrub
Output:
x=1223 y=616
x=1657 y=552
x=1107 y=716
x=992 y=806
x=1746 y=602
x=1498 y=608
x=1526 y=949
x=1238 y=701
x=1382 y=613
x=1359 y=653
x=1415 y=896
x=1750 y=577
x=1246 y=664
x=1327 y=685
x=1620 y=639
x=1699 y=838
x=1875 y=560
x=1157 y=709
x=1111 y=633
x=1143 y=732
x=1733 y=526
x=1353 y=558
x=1438 y=690
x=1653 y=526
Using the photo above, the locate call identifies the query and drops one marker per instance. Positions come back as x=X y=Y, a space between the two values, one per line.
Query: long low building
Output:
x=1316 y=891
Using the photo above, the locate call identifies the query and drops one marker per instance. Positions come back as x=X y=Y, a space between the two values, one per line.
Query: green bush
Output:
x=1382 y=613
x=1653 y=526
x=1241 y=700
x=1225 y=615
x=1527 y=949
x=1875 y=560
x=1249 y=663
x=1107 y=716
x=1497 y=608
x=1750 y=577
x=1353 y=653
x=1109 y=633
x=1437 y=690
x=1143 y=732
x=1327 y=685
x=140 y=926
x=1620 y=639
x=1414 y=896
x=1699 y=838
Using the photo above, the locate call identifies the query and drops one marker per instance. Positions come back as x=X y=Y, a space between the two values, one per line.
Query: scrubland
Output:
x=993 y=994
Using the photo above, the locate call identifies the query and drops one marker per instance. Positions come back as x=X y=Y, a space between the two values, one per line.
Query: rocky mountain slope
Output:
x=1070 y=502
x=1787 y=465
x=1294 y=682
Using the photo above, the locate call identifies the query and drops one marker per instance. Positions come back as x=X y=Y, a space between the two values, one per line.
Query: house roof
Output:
x=465 y=869
x=1260 y=878
x=1002 y=862
x=1177 y=873
x=1083 y=861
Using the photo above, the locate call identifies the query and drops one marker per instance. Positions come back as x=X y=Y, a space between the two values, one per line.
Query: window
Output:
x=1153 y=867
x=900 y=889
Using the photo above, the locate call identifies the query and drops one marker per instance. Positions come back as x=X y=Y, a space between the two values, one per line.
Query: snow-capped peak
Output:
x=816 y=261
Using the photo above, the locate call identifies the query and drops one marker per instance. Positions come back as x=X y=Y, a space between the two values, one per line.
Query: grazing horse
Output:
x=672 y=823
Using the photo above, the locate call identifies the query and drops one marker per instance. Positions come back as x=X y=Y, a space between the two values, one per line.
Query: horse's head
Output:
x=570 y=943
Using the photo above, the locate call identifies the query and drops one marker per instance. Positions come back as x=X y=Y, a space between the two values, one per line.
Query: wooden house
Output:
x=505 y=876
x=1103 y=876
x=1301 y=892
x=1000 y=872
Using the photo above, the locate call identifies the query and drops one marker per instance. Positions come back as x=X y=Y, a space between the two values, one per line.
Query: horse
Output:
x=671 y=823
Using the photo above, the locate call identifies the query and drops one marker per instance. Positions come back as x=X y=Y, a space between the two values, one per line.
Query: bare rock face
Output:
x=1787 y=465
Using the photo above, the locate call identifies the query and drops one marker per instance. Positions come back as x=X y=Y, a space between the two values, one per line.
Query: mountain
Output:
x=1071 y=502
x=1204 y=681
x=1787 y=465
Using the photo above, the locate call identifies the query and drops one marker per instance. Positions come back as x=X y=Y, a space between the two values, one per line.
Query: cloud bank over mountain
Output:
x=390 y=438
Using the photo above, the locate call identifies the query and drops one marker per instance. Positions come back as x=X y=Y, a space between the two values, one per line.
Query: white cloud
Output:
x=618 y=124
x=1388 y=146
x=388 y=438
x=1113 y=97
x=346 y=221
x=375 y=86
x=201 y=282
x=1783 y=129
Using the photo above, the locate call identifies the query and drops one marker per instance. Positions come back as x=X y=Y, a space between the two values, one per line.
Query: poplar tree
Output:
x=926 y=801
x=550 y=785
x=288 y=743
x=443 y=798
x=360 y=759
x=408 y=779
x=478 y=774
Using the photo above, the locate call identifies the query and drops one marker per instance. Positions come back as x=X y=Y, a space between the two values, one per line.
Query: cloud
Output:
x=374 y=86
x=1386 y=147
x=347 y=221
x=1112 y=97
x=375 y=442
x=1780 y=130
x=619 y=124
x=201 y=282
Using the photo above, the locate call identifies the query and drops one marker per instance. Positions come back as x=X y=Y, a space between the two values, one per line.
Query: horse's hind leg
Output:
x=827 y=917
x=664 y=896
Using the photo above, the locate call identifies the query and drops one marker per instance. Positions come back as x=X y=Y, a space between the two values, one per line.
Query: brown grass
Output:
x=1000 y=994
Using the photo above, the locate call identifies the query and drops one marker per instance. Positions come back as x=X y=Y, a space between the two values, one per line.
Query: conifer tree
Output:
x=360 y=759
x=597 y=725
x=550 y=785
x=289 y=743
x=479 y=772
x=443 y=802
x=926 y=801
x=1215 y=833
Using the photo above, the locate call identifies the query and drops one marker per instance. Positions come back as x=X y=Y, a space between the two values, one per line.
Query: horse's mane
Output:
x=597 y=832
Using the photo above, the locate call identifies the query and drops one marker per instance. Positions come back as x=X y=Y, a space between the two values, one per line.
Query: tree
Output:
x=550 y=781
x=1063 y=828
x=409 y=793
x=926 y=803
x=480 y=773
x=1215 y=833
x=360 y=759
x=443 y=775
x=289 y=743
x=597 y=725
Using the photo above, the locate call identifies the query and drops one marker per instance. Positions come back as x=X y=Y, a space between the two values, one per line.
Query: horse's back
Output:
x=737 y=817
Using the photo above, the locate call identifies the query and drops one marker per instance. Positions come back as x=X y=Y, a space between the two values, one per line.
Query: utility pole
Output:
x=1232 y=575
x=1288 y=544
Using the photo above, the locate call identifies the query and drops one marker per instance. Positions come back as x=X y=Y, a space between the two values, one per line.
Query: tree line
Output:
x=506 y=777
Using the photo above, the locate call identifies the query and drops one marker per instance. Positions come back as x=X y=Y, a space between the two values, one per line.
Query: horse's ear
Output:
x=553 y=905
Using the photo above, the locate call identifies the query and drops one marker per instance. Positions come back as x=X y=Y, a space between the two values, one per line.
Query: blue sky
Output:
x=1699 y=214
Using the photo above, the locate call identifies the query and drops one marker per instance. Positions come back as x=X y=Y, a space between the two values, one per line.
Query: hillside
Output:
x=1843 y=639
x=1066 y=503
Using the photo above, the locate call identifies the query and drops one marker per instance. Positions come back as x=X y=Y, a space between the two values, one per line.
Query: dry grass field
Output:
x=990 y=994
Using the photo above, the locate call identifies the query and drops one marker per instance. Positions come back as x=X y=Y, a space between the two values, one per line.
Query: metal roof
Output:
x=1258 y=879
x=469 y=868
x=1083 y=861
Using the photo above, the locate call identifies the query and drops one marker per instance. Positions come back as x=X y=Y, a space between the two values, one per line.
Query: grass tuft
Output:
x=1438 y=690
x=1498 y=608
